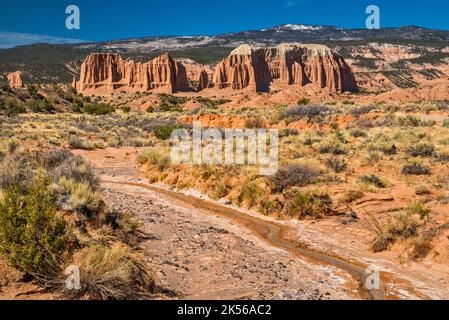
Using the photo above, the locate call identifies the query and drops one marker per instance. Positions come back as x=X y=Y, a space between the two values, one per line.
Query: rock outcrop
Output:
x=104 y=73
x=246 y=68
x=15 y=79
x=290 y=64
x=203 y=80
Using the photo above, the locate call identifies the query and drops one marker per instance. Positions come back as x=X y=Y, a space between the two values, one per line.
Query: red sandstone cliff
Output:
x=109 y=73
x=246 y=67
x=290 y=64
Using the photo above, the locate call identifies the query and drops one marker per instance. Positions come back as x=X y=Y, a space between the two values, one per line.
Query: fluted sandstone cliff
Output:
x=247 y=67
x=291 y=64
x=104 y=73
x=244 y=68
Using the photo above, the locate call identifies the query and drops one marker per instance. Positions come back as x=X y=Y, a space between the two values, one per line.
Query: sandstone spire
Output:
x=15 y=79
x=203 y=80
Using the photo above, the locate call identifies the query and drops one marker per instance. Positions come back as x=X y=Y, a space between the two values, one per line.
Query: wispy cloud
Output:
x=13 y=39
x=293 y=3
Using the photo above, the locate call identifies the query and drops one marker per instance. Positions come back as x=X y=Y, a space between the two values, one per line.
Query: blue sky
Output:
x=111 y=19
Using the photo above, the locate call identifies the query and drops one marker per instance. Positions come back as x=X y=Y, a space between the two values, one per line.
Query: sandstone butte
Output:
x=15 y=79
x=246 y=68
x=105 y=73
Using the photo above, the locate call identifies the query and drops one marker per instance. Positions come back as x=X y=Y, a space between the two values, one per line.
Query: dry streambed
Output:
x=202 y=250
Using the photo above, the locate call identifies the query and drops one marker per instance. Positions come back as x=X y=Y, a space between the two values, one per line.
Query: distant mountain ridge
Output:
x=363 y=49
x=267 y=36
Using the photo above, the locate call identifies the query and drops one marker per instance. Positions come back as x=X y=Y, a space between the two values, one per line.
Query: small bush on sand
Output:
x=401 y=227
x=332 y=146
x=163 y=132
x=422 y=190
x=33 y=238
x=294 y=175
x=415 y=168
x=336 y=164
x=350 y=196
x=418 y=209
x=371 y=180
x=303 y=101
x=98 y=108
x=18 y=171
x=310 y=112
x=77 y=197
x=251 y=193
x=270 y=206
x=155 y=156
x=303 y=205
x=389 y=149
x=72 y=167
x=111 y=274
x=80 y=143
x=420 y=249
x=421 y=150
x=357 y=133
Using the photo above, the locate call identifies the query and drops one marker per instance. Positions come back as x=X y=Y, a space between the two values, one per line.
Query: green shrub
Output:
x=357 y=133
x=351 y=196
x=155 y=156
x=268 y=206
x=415 y=168
x=41 y=105
x=303 y=102
x=421 y=150
x=371 y=180
x=163 y=132
x=11 y=107
x=77 y=197
x=17 y=170
x=336 y=164
x=315 y=205
x=332 y=146
x=392 y=230
x=294 y=175
x=80 y=143
x=98 y=108
x=111 y=274
x=251 y=192
x=32 y=237
x=418 y=209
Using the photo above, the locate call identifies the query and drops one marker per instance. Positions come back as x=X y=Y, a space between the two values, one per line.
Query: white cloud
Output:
x=13 y=39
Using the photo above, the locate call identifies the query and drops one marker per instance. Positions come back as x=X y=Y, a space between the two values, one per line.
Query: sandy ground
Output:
x=239 y=264
x=199 y=255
